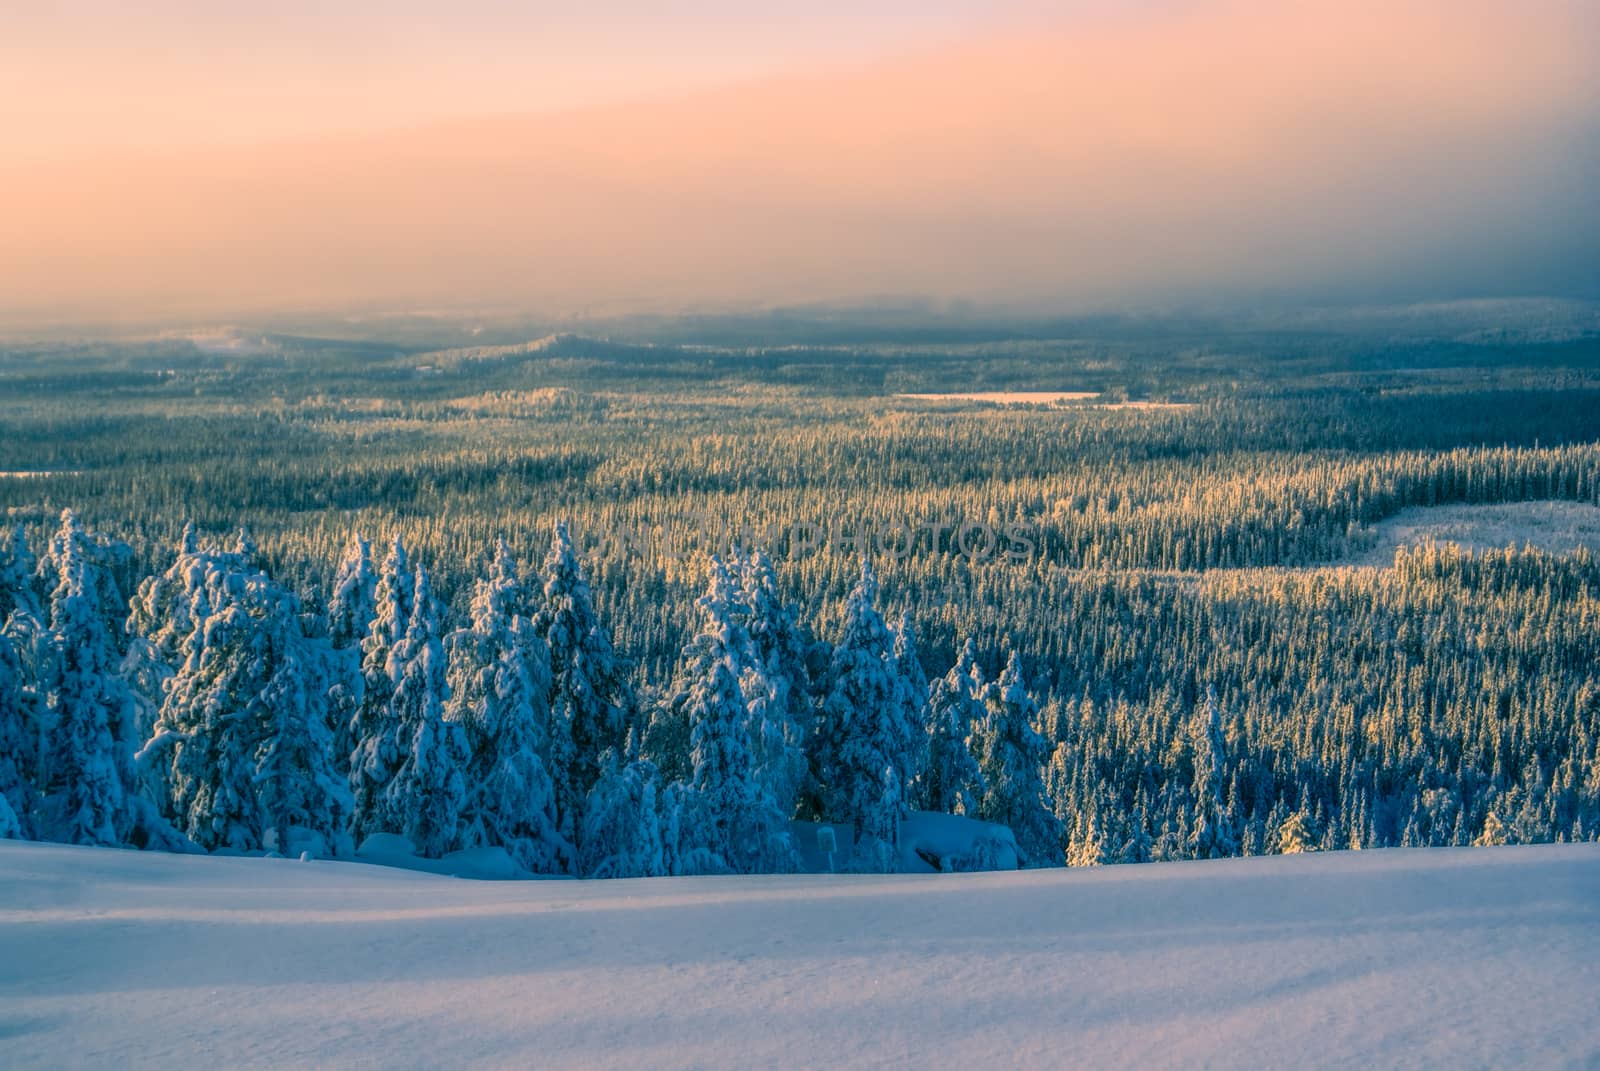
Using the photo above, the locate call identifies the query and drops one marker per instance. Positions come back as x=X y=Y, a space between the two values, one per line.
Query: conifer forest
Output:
x=661 y=599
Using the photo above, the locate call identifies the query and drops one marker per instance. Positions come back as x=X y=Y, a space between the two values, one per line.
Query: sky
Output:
x=215 y=159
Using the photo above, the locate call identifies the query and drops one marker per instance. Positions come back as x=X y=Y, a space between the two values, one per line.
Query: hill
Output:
x=1459 y=957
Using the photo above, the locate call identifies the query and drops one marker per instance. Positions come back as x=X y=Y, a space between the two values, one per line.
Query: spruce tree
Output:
x=17 y=570
x=375 y=745
x=1011 y=756
x=738 y=823
x=242 y=743
x=1211 y=836
x=498 y=682
x=951 y=782
x=588 y=695
x=16 y=743
x=87 y=769
x=352 y=609
x=776 y=683
x=424 y=798
x=353 y=604
x=860 y=757
x=912 y=686
x=623 y=834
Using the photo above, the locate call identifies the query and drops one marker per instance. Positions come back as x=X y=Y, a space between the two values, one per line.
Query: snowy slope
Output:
x=1443 y=957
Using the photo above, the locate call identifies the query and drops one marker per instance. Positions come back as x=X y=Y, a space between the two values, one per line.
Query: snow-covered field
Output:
x=1555 y=526
x=1042 y=397
x=1441 y=957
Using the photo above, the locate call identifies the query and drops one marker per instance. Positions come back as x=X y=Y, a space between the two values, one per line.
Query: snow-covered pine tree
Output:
x=353 y=604
x=860 y=758
x=588 y=696
x=1294 y=835
x=424 y=799
x=166 y=617
x=1210 y=835
x=86 y=769
x=738 y=823
x=375 y=748
x=951 y=782
x=912 y=684
x=16 y=743
x=623 y=835
x=242 y=747
x=498 y=682
x=17 y=571
x=352 y=608
x=70 y=536
x=24 y=652
x=776 y=683
x=1011 y=754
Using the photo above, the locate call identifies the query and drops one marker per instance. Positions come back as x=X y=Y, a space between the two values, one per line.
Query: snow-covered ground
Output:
x=1441 y=957
x=1556 y=526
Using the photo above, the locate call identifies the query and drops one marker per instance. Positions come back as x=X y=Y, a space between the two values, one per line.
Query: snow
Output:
x=393 y=850
x=1438 y=957
x=1559 y=527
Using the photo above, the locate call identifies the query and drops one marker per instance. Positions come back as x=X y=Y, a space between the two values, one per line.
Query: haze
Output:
x=207 y=160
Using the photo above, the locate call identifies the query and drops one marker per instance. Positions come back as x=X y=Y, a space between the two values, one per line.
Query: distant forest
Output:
x=1179 y=667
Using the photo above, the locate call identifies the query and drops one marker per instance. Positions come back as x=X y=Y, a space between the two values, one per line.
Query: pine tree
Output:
x=623 y=833
x=375 y=744
x=17 y=569
x=776 y=682
x=16 y=743
x=912 y=688
x=860 y=757
x=738 y=822
x=588 y=687
x=352 y=609
x=424 y=798
x=166 y=617
x=1211 y=836
x=243 y=741
x=1011 y=756
x=951 y=782
x=498 y=681
x=24 y=651
x=353 y=605
x=1294 y=835
x=85 y=780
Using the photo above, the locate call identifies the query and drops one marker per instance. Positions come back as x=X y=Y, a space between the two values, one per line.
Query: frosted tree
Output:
x=16 y=744
x=86 y=770
x=242 y=745
x=352 y=609
x=623 y=834
x=498 y=682
x=737 y=822
x=17 y=569
x=102 y=556
x=165 y=617
x=861 y=758
x=353 y=604
x=24 y=651
x=951 y=782
x=912 y=685
x=424 y=798
x=1011 y=755
x=1211 y=836
x=776 y=682
x=588 y=688
x=1294 y=834
x=375 y=746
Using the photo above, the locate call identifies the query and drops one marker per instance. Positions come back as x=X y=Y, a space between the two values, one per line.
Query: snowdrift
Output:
x=929 y=843
x=1441 y=957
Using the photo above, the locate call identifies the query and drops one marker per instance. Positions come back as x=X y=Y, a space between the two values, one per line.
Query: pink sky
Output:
x=202 y=160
